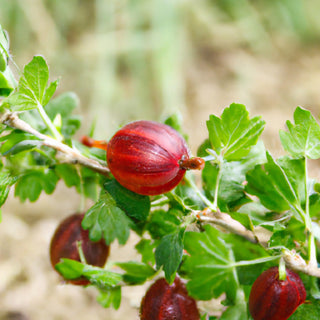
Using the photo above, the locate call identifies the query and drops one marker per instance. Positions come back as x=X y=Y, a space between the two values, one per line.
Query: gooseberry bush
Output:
x=209 y=233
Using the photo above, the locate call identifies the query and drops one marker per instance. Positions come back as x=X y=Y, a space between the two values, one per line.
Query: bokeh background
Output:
x=128 y=60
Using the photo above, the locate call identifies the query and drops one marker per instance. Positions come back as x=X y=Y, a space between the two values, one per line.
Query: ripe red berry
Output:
x=64 y=245
x=167 y=302
x=274 y=299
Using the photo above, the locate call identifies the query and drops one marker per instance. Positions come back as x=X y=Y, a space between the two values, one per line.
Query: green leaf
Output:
x=238 y=311
x=72 y=269
x=311 y=310
x=136 y=272
x=6 y=83
x=233 y=135
x=33 y=88
x=279 y=185
x=25 y=145
x=303 y=137
x=32 y=183
x=146 y=247
x=209 y=264
x=110 y=297
x=169 y=253
x=6 y=181
x=134 y=205
x=233 y=175
x=69 y=174
x=105 y=219
x=288 y=234
x=163 y=222
x=4 y=49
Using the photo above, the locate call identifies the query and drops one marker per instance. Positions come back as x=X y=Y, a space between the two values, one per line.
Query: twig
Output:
x=292 y=259
x=71 y=155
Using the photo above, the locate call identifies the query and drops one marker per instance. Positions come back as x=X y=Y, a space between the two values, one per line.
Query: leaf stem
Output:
x=311 y=240
x=56 y=134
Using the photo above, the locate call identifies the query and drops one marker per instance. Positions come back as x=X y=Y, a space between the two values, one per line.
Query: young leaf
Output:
x=169 y=253
x=136 y=272
x=33 y=88
x=233 y=135
x=209 y=265
x=105 y=219
x=303 y=137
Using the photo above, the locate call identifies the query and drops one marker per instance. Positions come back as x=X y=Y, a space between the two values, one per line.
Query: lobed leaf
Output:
x=209 y=264
x=105 y=219
x=169 y=253
x=303 y=137
x=278 y=185
x=33 y=88
x=233 y=135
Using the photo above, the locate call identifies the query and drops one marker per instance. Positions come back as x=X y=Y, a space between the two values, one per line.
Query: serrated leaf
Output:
x=136 y=272
x=105 y=219
x=279 y=184
x=232 y=177
x=303 y=137
x=134 y=205
x=233 y=135
x=169 y=253
x=209 y=264
x=32 y=183
x=69 y=175
x=33 y=88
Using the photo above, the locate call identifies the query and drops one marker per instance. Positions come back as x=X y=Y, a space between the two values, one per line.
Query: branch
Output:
x=72 y=156
x=292 y=259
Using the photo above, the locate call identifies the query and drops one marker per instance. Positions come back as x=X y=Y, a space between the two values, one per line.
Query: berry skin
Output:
x=149 y=158
x=168 y=302
x=64 y=245
x=274 y=299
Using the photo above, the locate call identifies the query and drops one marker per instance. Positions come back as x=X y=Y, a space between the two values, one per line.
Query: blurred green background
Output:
x=130 y=59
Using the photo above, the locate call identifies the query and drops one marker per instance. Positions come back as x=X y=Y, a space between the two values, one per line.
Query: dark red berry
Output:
x=149 y=158
x=274 y=299
x=64 y=245
x=168 y=302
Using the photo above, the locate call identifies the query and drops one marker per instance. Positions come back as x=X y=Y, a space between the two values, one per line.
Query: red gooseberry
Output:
x=166 y=302
x=274 y=299
x=64 y=245
x=147 y=157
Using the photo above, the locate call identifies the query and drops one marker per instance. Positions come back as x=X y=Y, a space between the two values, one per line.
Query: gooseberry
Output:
x=147 y=157
x=64 y=244
x=274 y=299
x=166 y=302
